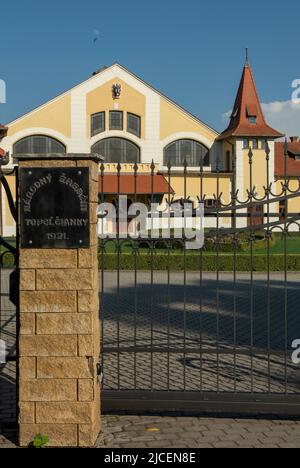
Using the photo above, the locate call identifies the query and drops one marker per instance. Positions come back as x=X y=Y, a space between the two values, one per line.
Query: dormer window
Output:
x=252 y=114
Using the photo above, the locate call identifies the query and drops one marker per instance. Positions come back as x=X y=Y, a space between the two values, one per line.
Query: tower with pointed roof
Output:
x=247 y=130
x=247 y=118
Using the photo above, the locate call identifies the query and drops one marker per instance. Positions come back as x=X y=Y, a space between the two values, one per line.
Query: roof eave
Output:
x=235 y=134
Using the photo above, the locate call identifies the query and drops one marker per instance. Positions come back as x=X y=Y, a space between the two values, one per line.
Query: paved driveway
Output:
x=160 y=313
x=164 y=432
x=147 y=317
x=193 y=432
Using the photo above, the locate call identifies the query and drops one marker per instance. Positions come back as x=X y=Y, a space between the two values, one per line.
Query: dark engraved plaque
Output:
x=54 y=207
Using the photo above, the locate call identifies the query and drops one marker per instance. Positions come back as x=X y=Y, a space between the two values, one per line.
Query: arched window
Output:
x=97 y=123
x=134 y=124
x=38 y=144
x=115 y=150
x=195 y=154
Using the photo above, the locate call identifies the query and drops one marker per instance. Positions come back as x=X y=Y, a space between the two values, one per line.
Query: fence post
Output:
x=59 y=391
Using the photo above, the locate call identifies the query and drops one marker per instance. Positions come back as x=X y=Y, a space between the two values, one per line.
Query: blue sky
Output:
x=192 y=51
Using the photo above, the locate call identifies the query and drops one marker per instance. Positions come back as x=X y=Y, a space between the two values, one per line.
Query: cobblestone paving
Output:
x=180 y=314
x=165 y=432
x=193 y=432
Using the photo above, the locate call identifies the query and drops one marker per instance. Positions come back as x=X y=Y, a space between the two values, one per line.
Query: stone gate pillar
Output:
x=59 y=391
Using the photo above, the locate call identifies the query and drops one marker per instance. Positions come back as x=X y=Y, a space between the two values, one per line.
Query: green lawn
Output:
x=292 y=244
x=276 y=247
x=196 y=260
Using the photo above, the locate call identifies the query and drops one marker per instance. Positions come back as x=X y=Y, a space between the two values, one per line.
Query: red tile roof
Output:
x=293 y=166
x=127 y=184
x=2 y=153
x=247 y=105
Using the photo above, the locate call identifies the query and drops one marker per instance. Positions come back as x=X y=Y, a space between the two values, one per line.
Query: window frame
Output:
x=283 y=208
x=121 y=113
x=138 y=134
x=98 y=131
x=263 y=144
x=179 y=160
x=228 y=161
x=123 y=141
x=210 y=203
x=49 y=139
x=252 y=120
x=246 y=143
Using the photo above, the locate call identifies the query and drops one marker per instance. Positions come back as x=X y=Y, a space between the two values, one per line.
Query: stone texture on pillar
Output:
x=60 y=333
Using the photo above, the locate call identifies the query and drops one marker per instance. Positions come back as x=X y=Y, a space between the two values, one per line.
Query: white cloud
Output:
x=284 y=116
x=226 y=116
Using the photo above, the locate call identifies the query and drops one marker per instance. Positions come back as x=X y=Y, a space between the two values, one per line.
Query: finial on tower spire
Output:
x=247 y=57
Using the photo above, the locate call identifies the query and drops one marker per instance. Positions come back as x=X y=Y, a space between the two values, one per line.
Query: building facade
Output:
x=125 y=120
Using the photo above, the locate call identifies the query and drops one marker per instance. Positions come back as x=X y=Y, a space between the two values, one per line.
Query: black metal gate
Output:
x=210 y=330
x=9 y=287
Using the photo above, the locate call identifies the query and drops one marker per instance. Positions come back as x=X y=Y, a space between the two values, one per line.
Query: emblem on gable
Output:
x=116 y=91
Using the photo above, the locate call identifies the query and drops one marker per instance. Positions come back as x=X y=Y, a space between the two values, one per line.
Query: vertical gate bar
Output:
x=1 y=262
x=286 y=190
x=251 y=268
x=268 y=268
x=184 y=276
x=152 y=275
x=201 y=284
x=119 y=167
x=102 y=241
x=218 y=274
x=169 y=277
x=135 y=285
x=16 y=170
x=3 y=319
x=235 y=240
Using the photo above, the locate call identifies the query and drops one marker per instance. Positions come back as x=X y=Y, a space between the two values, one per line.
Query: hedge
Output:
x=192 y=262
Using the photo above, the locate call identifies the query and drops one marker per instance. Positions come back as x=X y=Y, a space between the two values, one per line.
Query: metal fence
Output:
x=210 y=329
x=8 y=308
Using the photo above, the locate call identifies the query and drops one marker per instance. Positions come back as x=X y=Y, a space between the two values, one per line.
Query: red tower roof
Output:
x=247 y=118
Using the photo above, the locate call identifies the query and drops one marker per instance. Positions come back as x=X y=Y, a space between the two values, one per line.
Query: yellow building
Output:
x=119 y=116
